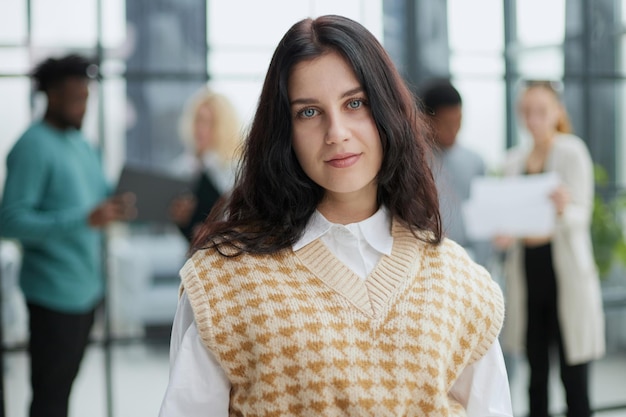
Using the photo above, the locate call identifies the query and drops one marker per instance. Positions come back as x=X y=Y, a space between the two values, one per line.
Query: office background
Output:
x=153 y=54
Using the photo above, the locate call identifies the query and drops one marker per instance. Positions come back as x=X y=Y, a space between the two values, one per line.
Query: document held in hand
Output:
x=510 y=206
x=155 y=191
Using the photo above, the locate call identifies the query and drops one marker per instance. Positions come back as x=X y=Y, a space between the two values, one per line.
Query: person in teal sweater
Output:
x=55 y=202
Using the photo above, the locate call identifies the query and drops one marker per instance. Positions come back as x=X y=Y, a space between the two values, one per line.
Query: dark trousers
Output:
x=56 y=347
x=542 y=333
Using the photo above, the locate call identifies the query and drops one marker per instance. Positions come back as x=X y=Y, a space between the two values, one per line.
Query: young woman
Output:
x=553 y=291
x=323 y=287
x=211 y=132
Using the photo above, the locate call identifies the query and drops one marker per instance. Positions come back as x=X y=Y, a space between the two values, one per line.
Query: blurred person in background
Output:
x=454 y=166
x=552 y=286
x=211 y=131
x=55 y=204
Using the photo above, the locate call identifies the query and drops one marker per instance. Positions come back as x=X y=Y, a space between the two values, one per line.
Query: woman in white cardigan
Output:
x=551 y=281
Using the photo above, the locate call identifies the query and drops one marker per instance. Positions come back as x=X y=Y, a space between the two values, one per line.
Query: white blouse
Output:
x=199 y=387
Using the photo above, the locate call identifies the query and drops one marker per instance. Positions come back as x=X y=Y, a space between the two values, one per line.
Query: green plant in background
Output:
x=607 y=234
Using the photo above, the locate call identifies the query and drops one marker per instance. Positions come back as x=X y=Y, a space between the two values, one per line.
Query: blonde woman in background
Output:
x=552 y=285
x=210 y=130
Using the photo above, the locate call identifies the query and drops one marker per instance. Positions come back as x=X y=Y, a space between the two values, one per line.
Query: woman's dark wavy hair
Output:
x=273 y=198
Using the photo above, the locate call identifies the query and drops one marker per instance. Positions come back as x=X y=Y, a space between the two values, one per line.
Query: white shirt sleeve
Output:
x=197 y=386
x=483 y=387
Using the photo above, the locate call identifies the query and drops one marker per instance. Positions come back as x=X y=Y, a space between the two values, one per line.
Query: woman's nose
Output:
x=337 y=129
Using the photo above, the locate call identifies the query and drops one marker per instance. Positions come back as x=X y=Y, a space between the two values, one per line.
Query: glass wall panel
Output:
x=241 y=44
x=91 y=122
x=479 y=65
x=154 y=108
x=117 y=118
x=604 y=121
x=485 y=33
x=112 y=66
x=483 y=128
x=239 y=62
x=621 y=134
x=239 y=22
x=244 y=94
x=540 y=22
x=541 y=63
x=14 y=60
x=621 y=65
x=13 y=22
x=368 y=13
x=15 y=115
x=574 y=98
x=477 y=69
x=68 y=23
x=158 y=52
x=166 y=40
x=348 y=8
x=604 y=45
x=166 y=63
x=113 y=18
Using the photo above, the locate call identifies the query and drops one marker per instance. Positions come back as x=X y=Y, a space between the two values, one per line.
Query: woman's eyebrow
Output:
x=352 y=92
x=305 y=100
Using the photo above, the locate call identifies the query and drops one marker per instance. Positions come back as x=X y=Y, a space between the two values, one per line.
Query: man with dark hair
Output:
x=454 y=165
x=54 y=203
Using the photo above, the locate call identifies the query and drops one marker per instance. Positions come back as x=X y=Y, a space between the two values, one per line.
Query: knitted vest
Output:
x=299 y=334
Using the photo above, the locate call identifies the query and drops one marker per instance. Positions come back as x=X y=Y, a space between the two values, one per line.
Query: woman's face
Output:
x=335 y=138
x=540 y=110
x=203 y=129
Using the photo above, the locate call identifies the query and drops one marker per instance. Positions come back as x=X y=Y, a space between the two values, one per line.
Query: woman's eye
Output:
x=308 y=113
x=355 y=104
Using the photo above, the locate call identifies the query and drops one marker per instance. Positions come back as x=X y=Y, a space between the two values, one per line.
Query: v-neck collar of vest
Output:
x=373 y=294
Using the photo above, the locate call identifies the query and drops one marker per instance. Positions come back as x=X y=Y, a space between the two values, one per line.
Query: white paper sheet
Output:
x=510 y=206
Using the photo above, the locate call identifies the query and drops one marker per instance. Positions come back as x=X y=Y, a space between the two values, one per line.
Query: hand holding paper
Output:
x=514 y=206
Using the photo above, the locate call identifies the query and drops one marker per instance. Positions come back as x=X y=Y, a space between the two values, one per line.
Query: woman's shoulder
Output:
x=454 y=253
x=230 y=258
x=447 y=253
x=570 y=151
x=450 y=260
x=212 y=257
x=569 y=142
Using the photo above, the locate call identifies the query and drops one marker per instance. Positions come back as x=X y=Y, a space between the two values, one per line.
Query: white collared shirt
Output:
x=199 y=387
x=358 y=245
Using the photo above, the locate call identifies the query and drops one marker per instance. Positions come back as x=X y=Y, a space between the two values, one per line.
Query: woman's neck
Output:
x=543 y=143
x=347 y=210
x=538 y=157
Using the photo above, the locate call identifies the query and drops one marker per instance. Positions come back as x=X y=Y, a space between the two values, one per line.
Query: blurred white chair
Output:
x=14 y=312
x=144 y=280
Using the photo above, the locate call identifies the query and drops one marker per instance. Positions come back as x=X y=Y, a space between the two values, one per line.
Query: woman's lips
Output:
x=343 y=160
